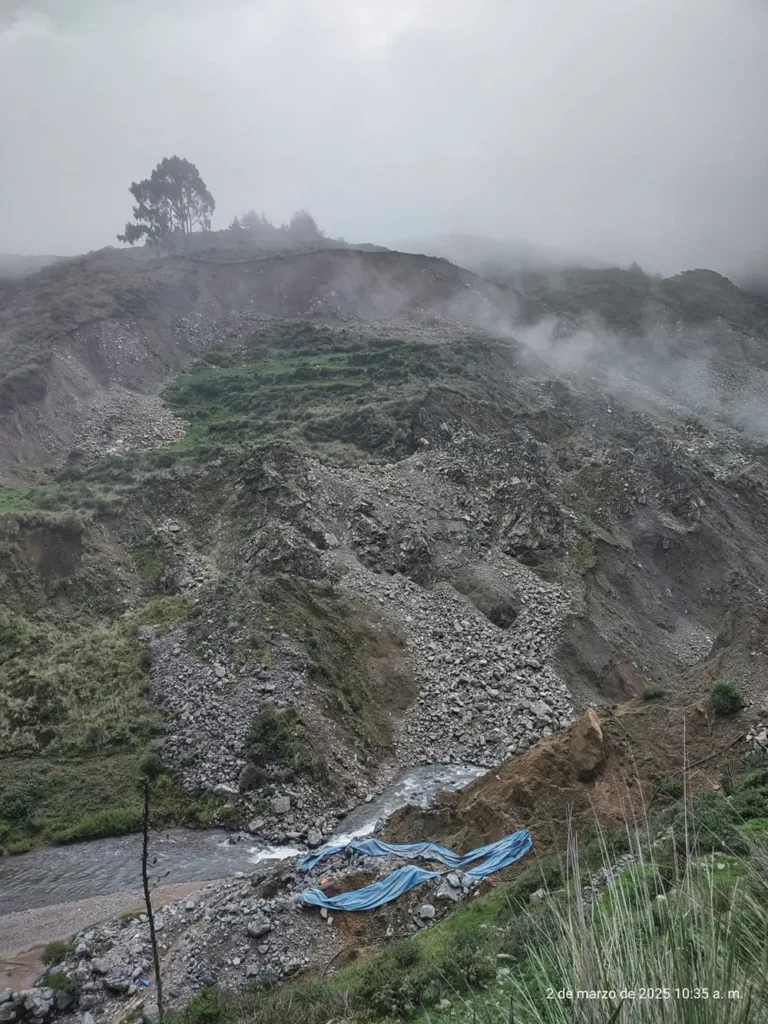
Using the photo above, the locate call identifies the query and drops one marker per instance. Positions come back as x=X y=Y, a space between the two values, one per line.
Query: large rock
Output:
x=64 y=998
x=8 y=1012
x=587 y=746
x=225 y=790
x=117 y=983
x=37 y=1003
x=280 y=804
x=177 y=580
x=258 y=926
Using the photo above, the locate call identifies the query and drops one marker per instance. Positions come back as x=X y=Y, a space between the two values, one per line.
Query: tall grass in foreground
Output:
x=673 y=942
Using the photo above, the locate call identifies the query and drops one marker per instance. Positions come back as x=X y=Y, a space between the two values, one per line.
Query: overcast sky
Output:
x=626 y=129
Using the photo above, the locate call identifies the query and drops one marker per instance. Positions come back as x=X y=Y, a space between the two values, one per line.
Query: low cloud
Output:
x=620 y=131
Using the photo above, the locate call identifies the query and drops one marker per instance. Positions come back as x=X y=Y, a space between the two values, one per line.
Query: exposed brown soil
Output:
x=606 y=768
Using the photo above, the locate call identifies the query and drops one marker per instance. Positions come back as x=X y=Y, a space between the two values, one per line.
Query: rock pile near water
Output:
x=228 y=933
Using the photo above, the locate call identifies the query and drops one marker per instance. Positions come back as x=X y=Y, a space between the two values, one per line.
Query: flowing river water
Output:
x=62 y=874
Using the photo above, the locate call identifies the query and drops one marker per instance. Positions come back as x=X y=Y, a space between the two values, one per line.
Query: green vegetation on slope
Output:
x=75 y=713
x=339 y=641
x=279 y=747
x=322 y=386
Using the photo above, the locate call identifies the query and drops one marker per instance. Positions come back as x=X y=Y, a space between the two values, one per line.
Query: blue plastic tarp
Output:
x=371 y=847
x=375 y=895
x=493 y=857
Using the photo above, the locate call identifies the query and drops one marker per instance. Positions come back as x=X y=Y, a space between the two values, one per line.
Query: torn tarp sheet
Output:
x=493 y=857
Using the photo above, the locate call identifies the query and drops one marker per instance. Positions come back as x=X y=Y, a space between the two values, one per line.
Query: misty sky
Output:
x=625 y=129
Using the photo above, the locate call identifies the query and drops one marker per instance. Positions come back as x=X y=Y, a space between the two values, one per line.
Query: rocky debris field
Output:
x=121 y=421
x=446 y=546
x=485 y=692
x=210 y=703
x=413 y=542
x=480 y=627
x=228 y=933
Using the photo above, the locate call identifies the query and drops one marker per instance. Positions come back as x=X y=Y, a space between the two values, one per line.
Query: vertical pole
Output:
x=148 y=901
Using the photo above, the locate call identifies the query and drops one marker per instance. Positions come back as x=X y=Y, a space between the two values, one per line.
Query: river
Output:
x=62 y=874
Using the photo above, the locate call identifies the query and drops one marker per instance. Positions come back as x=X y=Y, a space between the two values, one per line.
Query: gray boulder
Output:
x=280 y=804
x=64 y=999
x=37 y=1003
x=8 y=1012
x=225 y=790
x=117 y=983
x=178 y=579
x=258 y=926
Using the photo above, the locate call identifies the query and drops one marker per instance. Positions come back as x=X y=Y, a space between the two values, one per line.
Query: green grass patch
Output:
x=62 y=799
x=19 y=846
x=117 y=821
x=672 y=787
x=317 y=384
x=161 y=610
x=654 y=692
x=756 y=829
x=57 y=952
x=64 y=689
x=152 y=558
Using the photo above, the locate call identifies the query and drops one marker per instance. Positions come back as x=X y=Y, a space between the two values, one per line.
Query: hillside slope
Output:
x=296 y=523
x=80 y=337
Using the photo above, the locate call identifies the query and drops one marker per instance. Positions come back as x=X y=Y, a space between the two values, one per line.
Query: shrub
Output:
x=754 y=759
x=672 y=787
x=654 y=692
x=389 y=990
x=17 y=803
x=20 y=846
x=57 y=951
x=755 y=778
x=396 y=983
x=278 y=745
x=314 y=1002
x=603 y=844
x=728 y=777
x=638 y=884
x=523 y=932
x=750 y=803
x=207 y=1007
x=725 y=699
x=467 y=961
x=709 y=823
x=547 y=873
x=117 y=821
x=405 y=954
x=61 y=982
